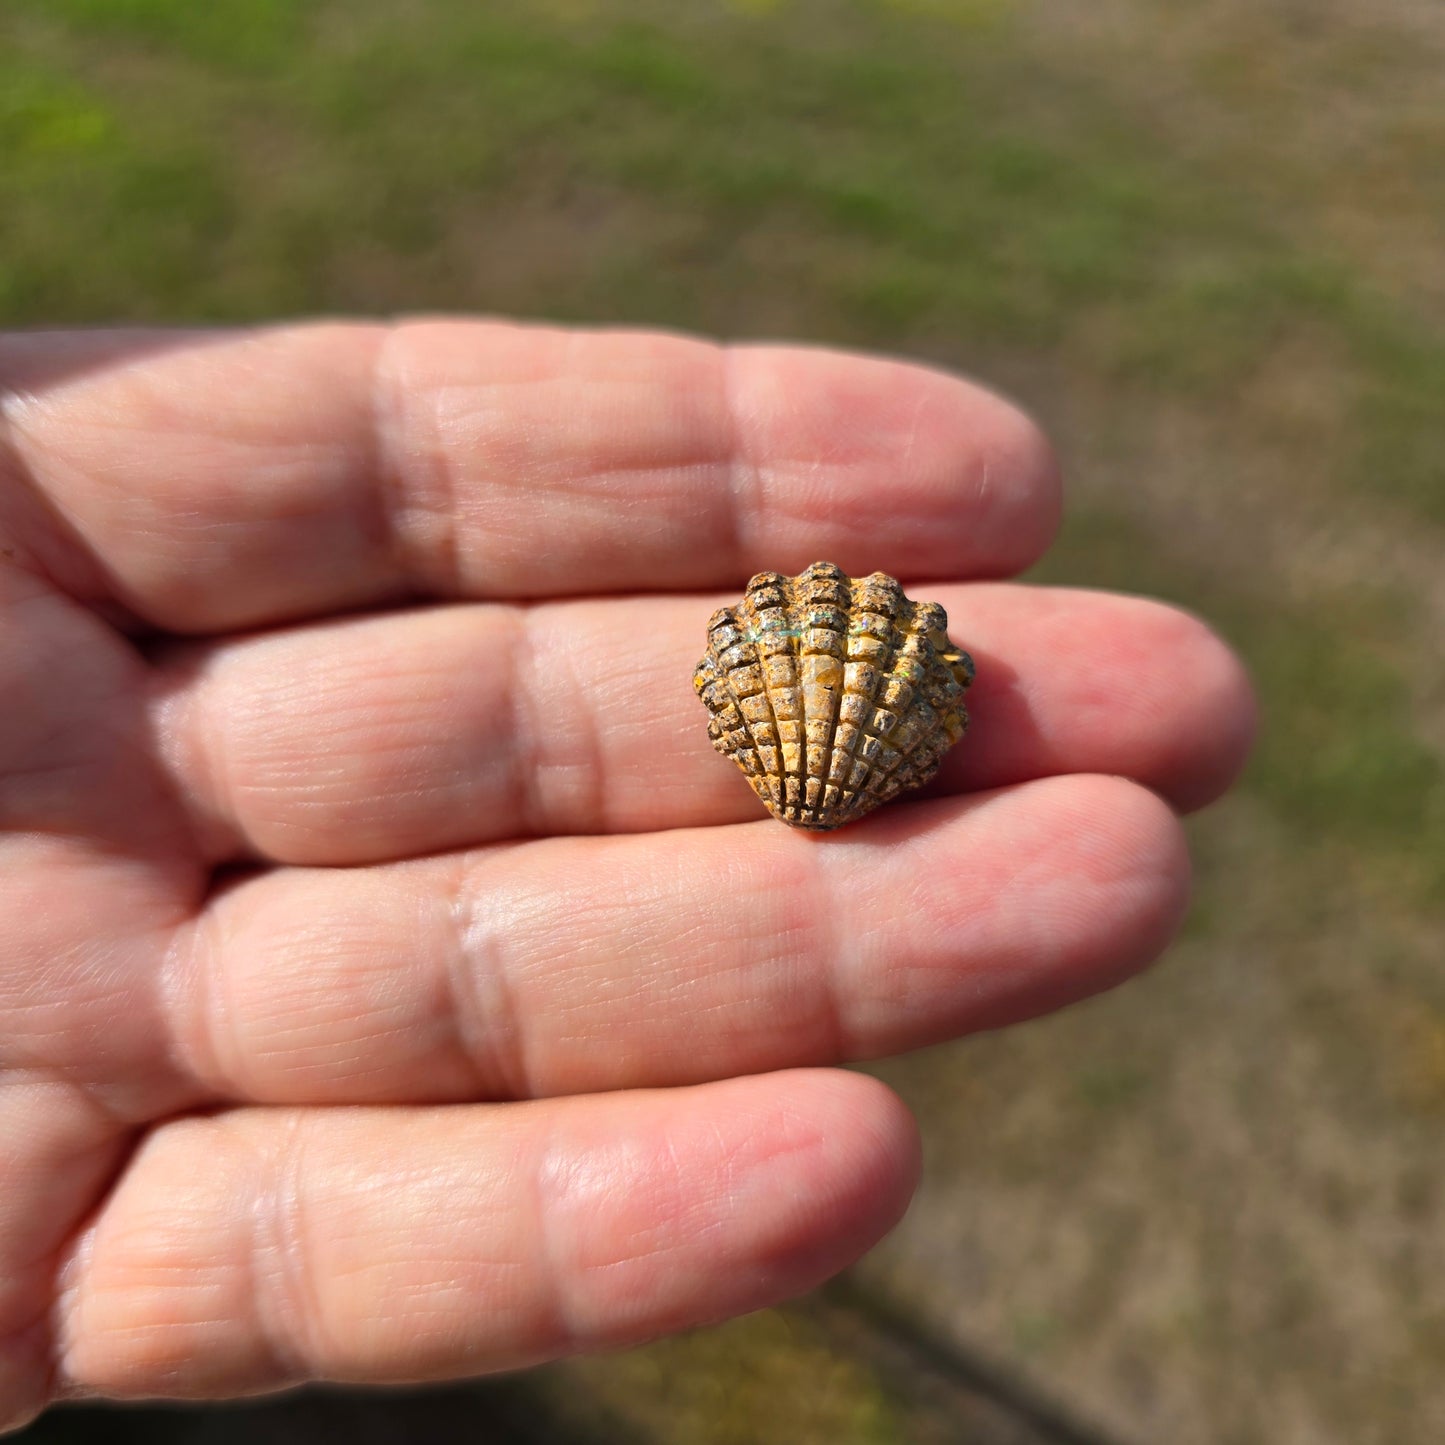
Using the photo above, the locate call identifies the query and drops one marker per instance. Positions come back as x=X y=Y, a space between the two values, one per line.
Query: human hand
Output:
x=266 y=1126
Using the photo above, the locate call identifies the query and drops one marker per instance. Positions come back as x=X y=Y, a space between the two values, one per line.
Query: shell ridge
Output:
x=900 y=667
x=724 y=675
x=705 y=679
x=781 y=801
x=774 y=795
x=880 y=677
x=850 y=758
x=939 y=670
x=905 y=754
x=749 y=633
x=861 y=731
x=791 y=619
x=803 y=601
x=836 y=710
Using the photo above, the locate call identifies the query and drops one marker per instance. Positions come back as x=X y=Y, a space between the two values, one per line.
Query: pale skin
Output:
x=394 y=985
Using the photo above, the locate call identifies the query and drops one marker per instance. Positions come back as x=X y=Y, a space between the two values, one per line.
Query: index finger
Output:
x=212 y=480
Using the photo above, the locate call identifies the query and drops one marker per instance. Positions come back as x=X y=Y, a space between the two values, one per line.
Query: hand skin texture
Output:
x=394 y=985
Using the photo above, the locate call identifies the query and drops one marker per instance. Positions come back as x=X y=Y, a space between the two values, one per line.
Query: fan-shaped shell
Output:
x=832 y=695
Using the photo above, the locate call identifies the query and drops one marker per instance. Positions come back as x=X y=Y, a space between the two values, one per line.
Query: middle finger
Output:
x=407 y=733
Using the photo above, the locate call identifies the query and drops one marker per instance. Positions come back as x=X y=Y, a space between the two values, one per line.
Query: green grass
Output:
x=953 y=179
x=249 y=35
x=770 y=1376
x=921 y=201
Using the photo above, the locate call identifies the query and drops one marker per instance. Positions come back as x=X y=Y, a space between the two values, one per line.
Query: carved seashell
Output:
x=832 y=695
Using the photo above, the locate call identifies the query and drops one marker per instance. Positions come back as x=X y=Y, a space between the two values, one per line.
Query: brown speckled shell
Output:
x=832 y=695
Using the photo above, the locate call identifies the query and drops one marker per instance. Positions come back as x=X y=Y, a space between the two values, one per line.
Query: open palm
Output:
x=354 y=793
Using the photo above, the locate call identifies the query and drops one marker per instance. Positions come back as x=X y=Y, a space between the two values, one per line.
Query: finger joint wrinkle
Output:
x=479 y=996
x=412 y=493
x=289 y=1318
x=746 y=493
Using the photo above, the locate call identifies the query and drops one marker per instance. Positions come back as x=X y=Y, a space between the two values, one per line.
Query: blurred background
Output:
x=1205 y=243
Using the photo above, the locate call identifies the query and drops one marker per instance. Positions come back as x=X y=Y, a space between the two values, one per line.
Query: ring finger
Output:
x=569 y=965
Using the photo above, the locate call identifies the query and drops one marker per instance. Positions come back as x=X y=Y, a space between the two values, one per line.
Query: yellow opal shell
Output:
x=832 y=694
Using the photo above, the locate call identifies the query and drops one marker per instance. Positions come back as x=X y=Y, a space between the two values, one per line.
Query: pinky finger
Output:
x=260 y=1247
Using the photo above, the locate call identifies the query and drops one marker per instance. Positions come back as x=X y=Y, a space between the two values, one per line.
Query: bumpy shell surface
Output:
x=832 y=695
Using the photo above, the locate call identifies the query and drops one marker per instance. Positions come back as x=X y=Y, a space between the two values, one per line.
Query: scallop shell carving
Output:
x=832 y=695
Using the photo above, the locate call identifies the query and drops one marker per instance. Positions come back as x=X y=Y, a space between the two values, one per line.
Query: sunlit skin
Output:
x=394 y=984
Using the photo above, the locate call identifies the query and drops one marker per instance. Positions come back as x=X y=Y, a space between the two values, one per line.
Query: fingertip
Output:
x=1186 y=719
x=824 y=1207
x=723 y=1199
x=1221 y=714
x=990 y=470
x=1123 y=877
x=1033 y=897
x=874 y=1143
x=1140 y=876
x=1073 y=680
x=1019 y=489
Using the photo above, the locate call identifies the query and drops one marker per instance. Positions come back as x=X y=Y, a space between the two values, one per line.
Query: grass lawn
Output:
x=1206 y=248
